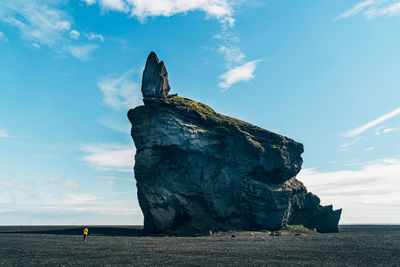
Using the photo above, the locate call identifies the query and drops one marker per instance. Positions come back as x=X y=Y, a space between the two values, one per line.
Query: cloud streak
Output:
x=110 y=157
x=82 y=52
x=384 y=130
x=120 y=91
x=372 y=9
x=369 y=125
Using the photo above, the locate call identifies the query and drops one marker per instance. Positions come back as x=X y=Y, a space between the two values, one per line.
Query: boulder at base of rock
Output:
x=200 y=170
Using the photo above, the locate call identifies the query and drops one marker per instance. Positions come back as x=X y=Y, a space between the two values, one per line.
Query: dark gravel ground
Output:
x=114 y=245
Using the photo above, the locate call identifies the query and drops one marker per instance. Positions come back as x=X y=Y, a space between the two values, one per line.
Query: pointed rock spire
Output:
x=155 y=78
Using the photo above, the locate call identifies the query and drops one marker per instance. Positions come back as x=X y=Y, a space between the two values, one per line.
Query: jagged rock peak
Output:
x=155 y=78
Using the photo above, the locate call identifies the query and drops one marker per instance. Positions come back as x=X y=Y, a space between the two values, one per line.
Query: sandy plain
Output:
x=368 y=245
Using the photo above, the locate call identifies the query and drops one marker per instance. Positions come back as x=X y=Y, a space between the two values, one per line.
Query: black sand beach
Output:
x=127 y=246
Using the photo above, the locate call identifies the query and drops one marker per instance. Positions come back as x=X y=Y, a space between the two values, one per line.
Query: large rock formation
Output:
x=199 y=169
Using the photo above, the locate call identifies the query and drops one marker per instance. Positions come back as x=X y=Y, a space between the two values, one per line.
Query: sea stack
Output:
x=155 y=78
x=197 y=170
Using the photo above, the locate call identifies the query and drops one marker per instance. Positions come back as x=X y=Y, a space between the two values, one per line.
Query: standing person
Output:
x=85 y=232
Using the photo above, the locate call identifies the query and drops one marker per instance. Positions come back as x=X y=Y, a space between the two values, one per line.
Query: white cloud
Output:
x=233 y=54
x=355 y=10
x=37 y=22
x=367 y=126
x=117 y=5
x=95 y=36
x=65 y=183
x=60 y=201
x=74 y=34
x=368 y=194
x=120 y=91
x=13 y=185
x=82 y=52
x=347 y=146
x=90 y=2
x=372 y=9
x=44 y=23
x=3 y=38
x=370 y=148
x=110 y=157
x=81 y=198
x=221 y=9
x=234 y=59
x=384 y=130
x=3 y=133
x=244 y=72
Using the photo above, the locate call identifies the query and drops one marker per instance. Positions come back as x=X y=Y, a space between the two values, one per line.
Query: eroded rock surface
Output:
x=155 y=78
x=199 y=169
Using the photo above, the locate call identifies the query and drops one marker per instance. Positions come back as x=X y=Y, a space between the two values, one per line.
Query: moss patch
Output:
x=204 y=111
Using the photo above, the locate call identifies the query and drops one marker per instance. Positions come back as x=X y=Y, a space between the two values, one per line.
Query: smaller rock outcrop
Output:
x=155 y=78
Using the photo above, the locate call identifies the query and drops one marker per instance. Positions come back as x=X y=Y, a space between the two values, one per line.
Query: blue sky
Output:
x=325 y=73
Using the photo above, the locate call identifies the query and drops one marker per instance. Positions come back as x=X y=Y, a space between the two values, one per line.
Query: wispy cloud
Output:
x=110 y=157
x=385 y=130
x=37 y=22
x=369 y=125
x=94 y=36
x=44 y=25
x=28 y=203
x=3 y=38
x=90 y=2
x=220 y=9
x=237 y=69
x=13 y=185
x=3 y=133
x=82 y=52
x=65 y=183
x=372 y=9
x=355 y=10
x=74 y=34
x=363 y=193
x=348 y=145
x=120 y=91
x=244 y=72
x=233 y=55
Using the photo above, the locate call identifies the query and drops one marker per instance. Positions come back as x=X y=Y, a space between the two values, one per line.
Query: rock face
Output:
x=202 y=170
x=155 y=78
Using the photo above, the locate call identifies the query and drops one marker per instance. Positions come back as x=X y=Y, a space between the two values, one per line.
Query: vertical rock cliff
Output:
x=197 y=169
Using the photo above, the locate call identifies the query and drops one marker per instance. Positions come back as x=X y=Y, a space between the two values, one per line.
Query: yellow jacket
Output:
x=85 y=231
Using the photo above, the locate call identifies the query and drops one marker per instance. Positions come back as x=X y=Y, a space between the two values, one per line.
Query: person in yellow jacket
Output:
x=85 y=232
